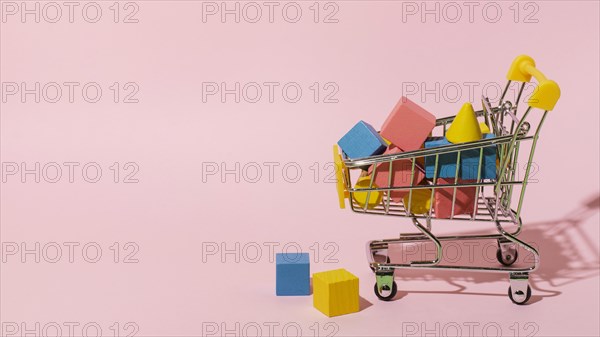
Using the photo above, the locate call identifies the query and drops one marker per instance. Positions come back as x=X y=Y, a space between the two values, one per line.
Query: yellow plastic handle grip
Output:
x=546 y=94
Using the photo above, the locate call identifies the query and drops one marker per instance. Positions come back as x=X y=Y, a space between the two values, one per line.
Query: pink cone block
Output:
x=401 y=173
x=465 y=198
x=408 y=125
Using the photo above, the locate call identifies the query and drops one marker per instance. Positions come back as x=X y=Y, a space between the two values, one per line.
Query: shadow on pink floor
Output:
x=567 y=255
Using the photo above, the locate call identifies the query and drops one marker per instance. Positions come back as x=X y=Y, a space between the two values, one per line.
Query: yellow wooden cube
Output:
x=335 y=292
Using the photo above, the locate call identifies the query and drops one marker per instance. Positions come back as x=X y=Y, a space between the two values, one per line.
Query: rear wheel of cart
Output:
x=386 y=293
x=519 y=297
x=507 y=258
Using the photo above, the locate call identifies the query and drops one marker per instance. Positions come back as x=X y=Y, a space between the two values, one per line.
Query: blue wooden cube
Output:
x=446 y=162
x=292 y=274
x=362 y=141
x=469 y=161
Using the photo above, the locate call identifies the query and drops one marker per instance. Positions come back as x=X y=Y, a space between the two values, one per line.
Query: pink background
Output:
x=171 y=214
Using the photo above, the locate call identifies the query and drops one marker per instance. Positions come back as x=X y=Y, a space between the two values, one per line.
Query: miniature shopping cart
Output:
x=499 y=200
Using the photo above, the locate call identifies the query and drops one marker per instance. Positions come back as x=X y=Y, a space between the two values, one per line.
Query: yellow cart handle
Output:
x=338 y=166
x=546 y=94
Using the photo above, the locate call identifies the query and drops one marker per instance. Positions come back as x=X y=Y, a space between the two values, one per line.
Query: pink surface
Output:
x=408 y=125
x=401 y=174
x=192 y=220
x=463 y=198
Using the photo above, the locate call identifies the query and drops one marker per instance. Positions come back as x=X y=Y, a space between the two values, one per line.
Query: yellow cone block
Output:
x=465 y=127
x=335 y=292
x=484 y=128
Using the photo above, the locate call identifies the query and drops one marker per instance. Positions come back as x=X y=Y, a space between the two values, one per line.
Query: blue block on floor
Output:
x=292 y=274
x=469 y=161
x=362 y=141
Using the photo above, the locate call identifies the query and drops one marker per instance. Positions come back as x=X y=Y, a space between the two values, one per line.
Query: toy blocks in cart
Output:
x=468 y=163
x=335 y=292
x=292 y=274
x=464 y=128
x=401 y=174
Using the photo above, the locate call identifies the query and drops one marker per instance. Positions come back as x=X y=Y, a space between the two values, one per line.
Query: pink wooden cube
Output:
x=401 y=173
x=465 y=198
x=408 y=125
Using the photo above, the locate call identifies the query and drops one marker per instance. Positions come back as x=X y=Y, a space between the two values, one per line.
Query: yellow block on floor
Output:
x=335 y=292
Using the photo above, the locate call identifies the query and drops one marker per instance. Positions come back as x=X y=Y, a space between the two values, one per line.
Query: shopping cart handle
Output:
x=546 y=94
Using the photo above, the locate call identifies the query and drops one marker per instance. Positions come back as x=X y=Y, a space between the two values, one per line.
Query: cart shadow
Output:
x=567 y=255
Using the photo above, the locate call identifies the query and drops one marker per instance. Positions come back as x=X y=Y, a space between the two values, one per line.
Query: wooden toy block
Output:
x=469 y=161
x=401 y=174
x=420 y=201
x=335 y=292
x=465 y=126
x=484 y=128
x=463 y=204
x=408 y=125
x=370 y=198
x=362 y=141
x=446 y=162
x=292 y=274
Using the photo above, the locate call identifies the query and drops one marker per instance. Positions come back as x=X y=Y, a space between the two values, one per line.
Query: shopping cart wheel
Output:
x=519 y=297
x=507 y=258
x=386 y=293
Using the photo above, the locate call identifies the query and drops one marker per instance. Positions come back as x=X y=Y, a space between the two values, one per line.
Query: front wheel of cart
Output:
x=386 y=293
x=519 y=297
x=380 y=259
